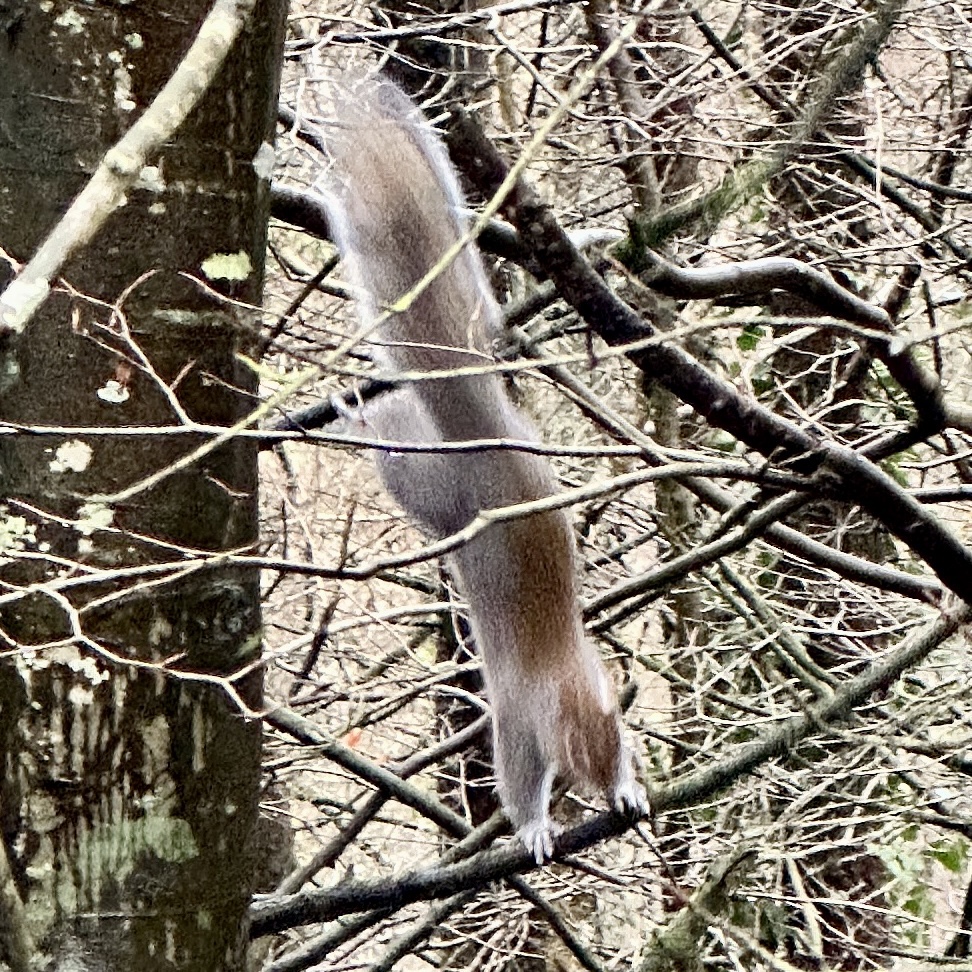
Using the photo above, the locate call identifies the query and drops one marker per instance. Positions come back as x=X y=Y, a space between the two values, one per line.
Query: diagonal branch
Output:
x=277 y=914
x=851 y=476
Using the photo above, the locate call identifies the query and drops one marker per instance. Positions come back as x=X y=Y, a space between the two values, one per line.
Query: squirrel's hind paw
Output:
x=630 y=798
x=538 y=838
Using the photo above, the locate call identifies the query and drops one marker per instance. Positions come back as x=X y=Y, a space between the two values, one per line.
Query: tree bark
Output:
x=129 y=784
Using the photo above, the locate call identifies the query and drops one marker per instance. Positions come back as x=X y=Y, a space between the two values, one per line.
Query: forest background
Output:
x=733 y=256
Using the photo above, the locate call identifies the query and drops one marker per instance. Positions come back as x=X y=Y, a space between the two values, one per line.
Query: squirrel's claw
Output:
x=631 y=799
x=538 y=838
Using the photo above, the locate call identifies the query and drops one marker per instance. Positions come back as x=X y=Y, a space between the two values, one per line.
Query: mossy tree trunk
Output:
x=128 y=783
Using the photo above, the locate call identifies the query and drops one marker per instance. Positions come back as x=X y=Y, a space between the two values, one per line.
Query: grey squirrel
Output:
x=393 y=204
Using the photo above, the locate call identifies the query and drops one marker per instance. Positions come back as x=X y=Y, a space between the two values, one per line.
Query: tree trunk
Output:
x=128 y=785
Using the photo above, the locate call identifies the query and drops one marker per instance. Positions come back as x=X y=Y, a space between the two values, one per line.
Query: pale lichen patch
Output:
x=123 y=82
x=72 y=20
x=113 y=392
x=150 y=177
x=16 y=533
x=228 y=266
x=93 y=516
x=71 y=456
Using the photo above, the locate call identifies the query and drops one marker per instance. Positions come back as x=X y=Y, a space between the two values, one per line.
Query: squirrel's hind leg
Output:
x=526 y=775
x=537 y=834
